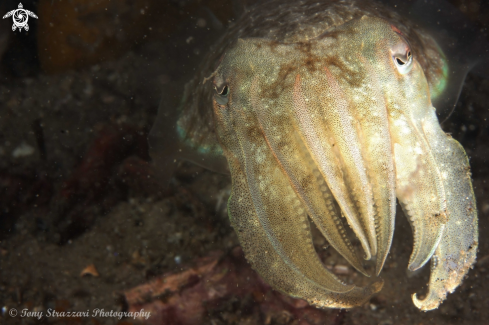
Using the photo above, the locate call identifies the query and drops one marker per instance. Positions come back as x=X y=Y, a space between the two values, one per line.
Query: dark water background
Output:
x=82 y=220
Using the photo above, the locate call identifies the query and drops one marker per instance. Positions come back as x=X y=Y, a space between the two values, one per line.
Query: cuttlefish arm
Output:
x=434 y=187
x=271 y=222
x=457 y=249
x=335 y=128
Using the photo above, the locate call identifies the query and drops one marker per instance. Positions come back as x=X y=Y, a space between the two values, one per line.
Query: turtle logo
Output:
x=20 y=17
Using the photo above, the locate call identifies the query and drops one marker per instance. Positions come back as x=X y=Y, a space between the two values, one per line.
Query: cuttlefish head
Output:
x=332 y=130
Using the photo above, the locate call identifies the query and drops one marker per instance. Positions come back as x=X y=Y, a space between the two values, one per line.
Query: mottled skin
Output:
x=324 y=110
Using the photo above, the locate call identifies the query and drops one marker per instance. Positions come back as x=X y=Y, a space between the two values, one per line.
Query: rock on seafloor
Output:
x=225 y=287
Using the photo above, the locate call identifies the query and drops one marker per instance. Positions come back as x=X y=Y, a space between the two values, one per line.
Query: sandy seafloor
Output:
x=76 y=189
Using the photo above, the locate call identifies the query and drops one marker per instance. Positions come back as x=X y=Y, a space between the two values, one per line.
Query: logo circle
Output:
x=20 y=17
x=12 y=312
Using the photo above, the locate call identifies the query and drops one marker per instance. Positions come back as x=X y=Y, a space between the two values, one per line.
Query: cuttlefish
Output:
x=322 y=111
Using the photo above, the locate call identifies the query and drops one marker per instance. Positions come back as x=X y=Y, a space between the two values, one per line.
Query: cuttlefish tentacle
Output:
x=418 y=181
x=377 y=146
x=312 y=129
x=306 y=180
x=277 y=206
x=339 y=117
x=456 y=252
x=434 y=187
x=275 y=237
x=420 y=198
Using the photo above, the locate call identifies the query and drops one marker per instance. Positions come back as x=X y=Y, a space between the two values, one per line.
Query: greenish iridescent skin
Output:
x=332 y=120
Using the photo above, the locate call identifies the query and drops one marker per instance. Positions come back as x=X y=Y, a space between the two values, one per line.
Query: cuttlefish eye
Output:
x=222 y=93
x=403 y=57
